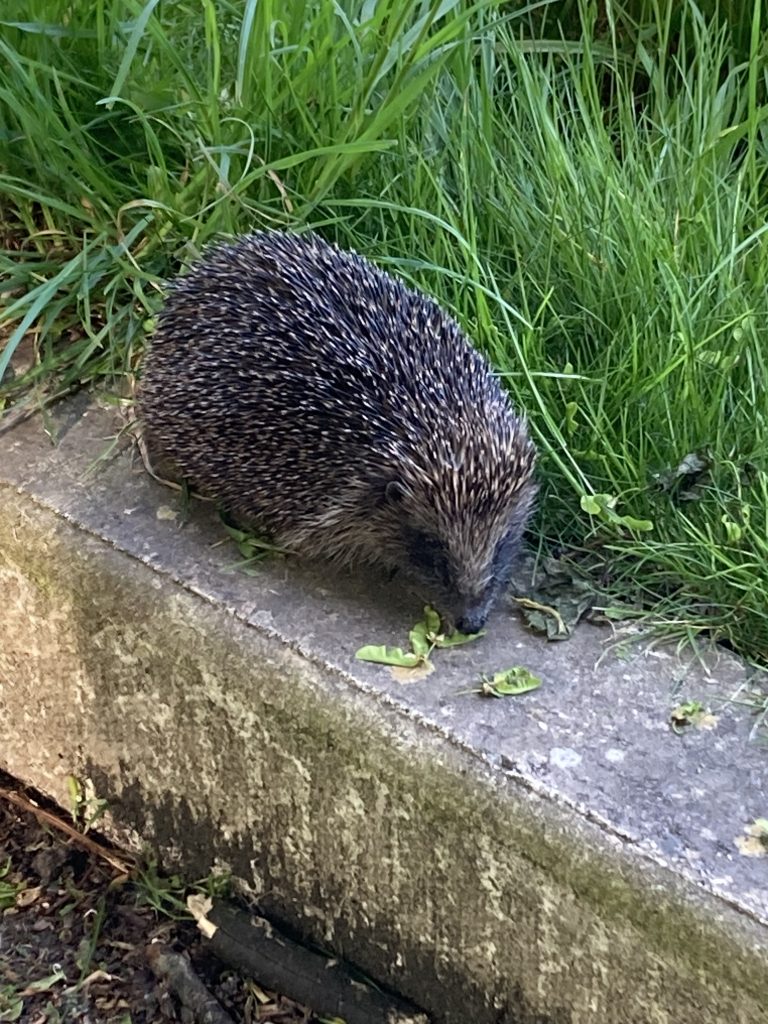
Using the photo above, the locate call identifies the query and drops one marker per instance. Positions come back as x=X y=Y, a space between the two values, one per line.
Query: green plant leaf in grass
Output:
x=11 y=1006
x=603 y=507
x=733 y=531
x=571 y=411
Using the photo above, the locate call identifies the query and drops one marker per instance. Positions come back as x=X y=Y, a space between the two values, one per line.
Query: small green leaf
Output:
x=639 y=525
x=426 y=634
x=723 y=361
x=431 y=620
x=10 y=1009
x=8 y=894
x=418 y=639
x=424 y=637
x=382 y=655
x=571 y=408
x=510 y=682
x=237 y=535
x=590 y=505
x=733 y=531
x=685 y=714
x=603 y=506
x=617 y=612
x=251 y=547
x=75 y=790
x=457 y=639
x=44 y=984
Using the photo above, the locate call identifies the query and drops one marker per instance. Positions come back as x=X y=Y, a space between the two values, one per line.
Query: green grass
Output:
x=584 y=187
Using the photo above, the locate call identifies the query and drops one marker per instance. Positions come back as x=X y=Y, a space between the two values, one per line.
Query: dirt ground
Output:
x=74 y=931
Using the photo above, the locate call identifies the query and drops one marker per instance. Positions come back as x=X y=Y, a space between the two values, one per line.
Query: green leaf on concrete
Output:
x=544 y=618
x=252 y=547
x=440 y=639
x=458 y=639
x=428 y=634
x=692 y=712
x=419 y=638
x=510 y=682
x=423 y=637
x=431 y=621
x=383 y=655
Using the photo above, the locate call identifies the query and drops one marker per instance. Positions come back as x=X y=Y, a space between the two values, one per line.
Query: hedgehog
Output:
x=325 y=403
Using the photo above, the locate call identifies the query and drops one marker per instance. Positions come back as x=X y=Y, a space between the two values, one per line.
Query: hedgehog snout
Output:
x=472 y=620
x=470 y=611
x=462 y=585
x=428 y=559
x=473 y=605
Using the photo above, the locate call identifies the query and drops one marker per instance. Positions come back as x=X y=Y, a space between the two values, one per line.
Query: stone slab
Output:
x=563 y=856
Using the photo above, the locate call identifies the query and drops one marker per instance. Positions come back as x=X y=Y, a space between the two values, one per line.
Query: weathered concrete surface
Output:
x=560 y=858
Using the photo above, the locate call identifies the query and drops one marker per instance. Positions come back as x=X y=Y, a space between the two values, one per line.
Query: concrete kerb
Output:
x=562 y=858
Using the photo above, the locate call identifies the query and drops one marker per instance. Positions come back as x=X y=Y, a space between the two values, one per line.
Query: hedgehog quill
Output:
x=321 y=400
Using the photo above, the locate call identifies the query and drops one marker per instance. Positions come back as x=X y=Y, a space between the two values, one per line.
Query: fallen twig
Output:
x=253 y=946
x=123 y=867
x=176 y=970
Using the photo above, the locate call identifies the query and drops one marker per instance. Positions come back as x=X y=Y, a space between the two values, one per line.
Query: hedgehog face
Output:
x=482 y=572
x=463 y=551
x=464 y=600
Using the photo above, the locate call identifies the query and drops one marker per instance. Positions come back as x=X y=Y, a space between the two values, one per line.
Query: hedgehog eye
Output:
x=428 y=554
x=394 y=492
x=387 y=492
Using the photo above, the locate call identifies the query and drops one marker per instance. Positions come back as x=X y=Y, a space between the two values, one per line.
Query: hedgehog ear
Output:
x=388 y=492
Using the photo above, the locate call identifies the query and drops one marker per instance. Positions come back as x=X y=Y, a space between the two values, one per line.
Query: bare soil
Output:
x=74 y=931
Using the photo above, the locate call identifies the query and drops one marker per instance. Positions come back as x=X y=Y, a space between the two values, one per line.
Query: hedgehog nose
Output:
x=471 y=621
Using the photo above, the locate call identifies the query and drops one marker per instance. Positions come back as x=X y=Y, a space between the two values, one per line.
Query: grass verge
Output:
x=583 y=185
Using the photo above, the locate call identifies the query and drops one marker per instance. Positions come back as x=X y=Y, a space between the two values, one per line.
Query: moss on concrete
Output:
x=215 y=743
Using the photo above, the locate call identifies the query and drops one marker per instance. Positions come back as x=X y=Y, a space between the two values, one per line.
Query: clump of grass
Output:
x=583 y=185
